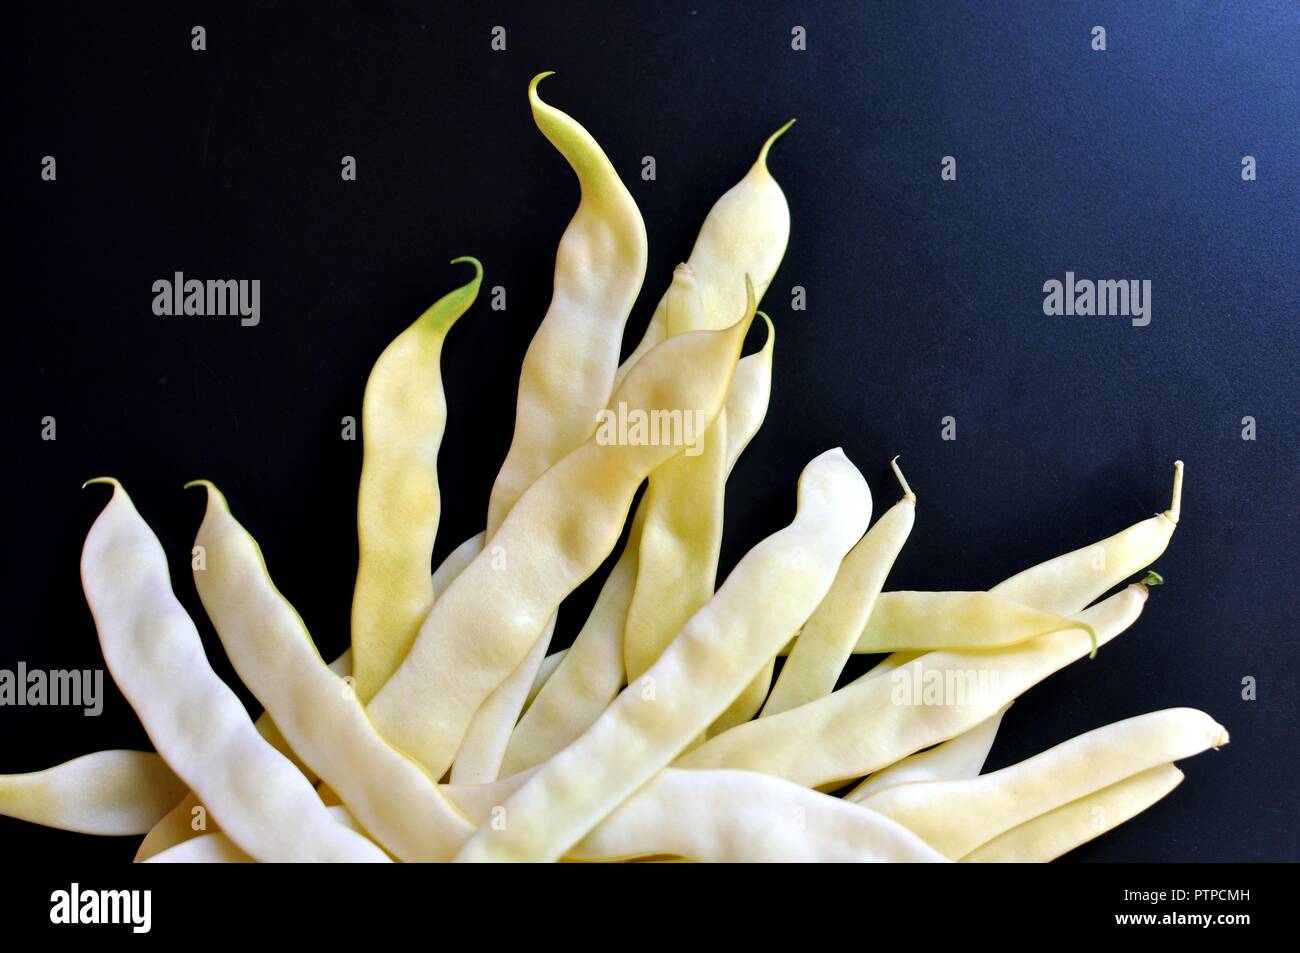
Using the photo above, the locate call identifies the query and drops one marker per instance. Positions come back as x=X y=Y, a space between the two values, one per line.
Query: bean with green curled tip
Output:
x=556 y=536
x=403 y=417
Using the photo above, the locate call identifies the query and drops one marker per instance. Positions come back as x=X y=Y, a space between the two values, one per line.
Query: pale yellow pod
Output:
x=589 y=677
x=744 y=817
x=745 y=233
x=960 y=757
x=403 y=416
x=319 y=714
x=196 y=723
x=878 y=720
x=455 y=562
x=568 y=371
x=178 y=824
x=747 y=403
x=448 y=570
x=216 y=848
x=681 y=533
x=747 y=704
x=556 y=536
x=826 y=641
x=955 y=817
x=749 y=396
x=544 y=673
x=567 y=377
x=1059 y=831
x=209 y=848
x=483 y=749
x=107 y=792
x=1068 y=583
x=771 y=590
x=721 y=817
x=593 y=671
x=910 y=621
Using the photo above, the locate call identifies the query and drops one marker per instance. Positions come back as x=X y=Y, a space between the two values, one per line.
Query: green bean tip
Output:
x=108 y=480
x=470 y=259
x=1153 y=578
x=536 y=80
x=762 y=153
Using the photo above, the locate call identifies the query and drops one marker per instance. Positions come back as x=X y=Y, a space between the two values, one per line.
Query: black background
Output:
x=924 y=300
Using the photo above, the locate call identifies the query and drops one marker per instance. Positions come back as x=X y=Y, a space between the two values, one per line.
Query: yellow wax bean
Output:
x=875 y=721
x=681 y=535
x=592 y=673
x=568 y=372
x=1068 y=583
x=747 y=403
x=217 y=848
x=955 y=817
x=1059 y=831
x=403 y=416
x=731 y=816
x=567 y=377
x=483 y=749
x=323 y=720
x=211 y=848
x=589 y=677
x=747 y=703
x=175 y=826
x=544 y=673
x=455 y=563
x=558 y=533
x=960 y=757
x=749 y=396
x=745 y=233
x=769 y=593
x=107 y=792
x=721 y=817
x=827 y=639
x=925 y=621
x=195 y=722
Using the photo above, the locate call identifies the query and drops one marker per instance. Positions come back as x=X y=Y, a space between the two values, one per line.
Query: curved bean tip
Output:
x=1176 y=505
x=215 y=496
x=536 y=81
x=908 y=495
x=762 y=153
x=107 y=480
x=771 y=329
x=1092 y=635
x=470 y=259
x=1153 y=578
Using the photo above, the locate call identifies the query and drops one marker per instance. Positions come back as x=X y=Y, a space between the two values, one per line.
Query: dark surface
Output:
x=924 y=301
